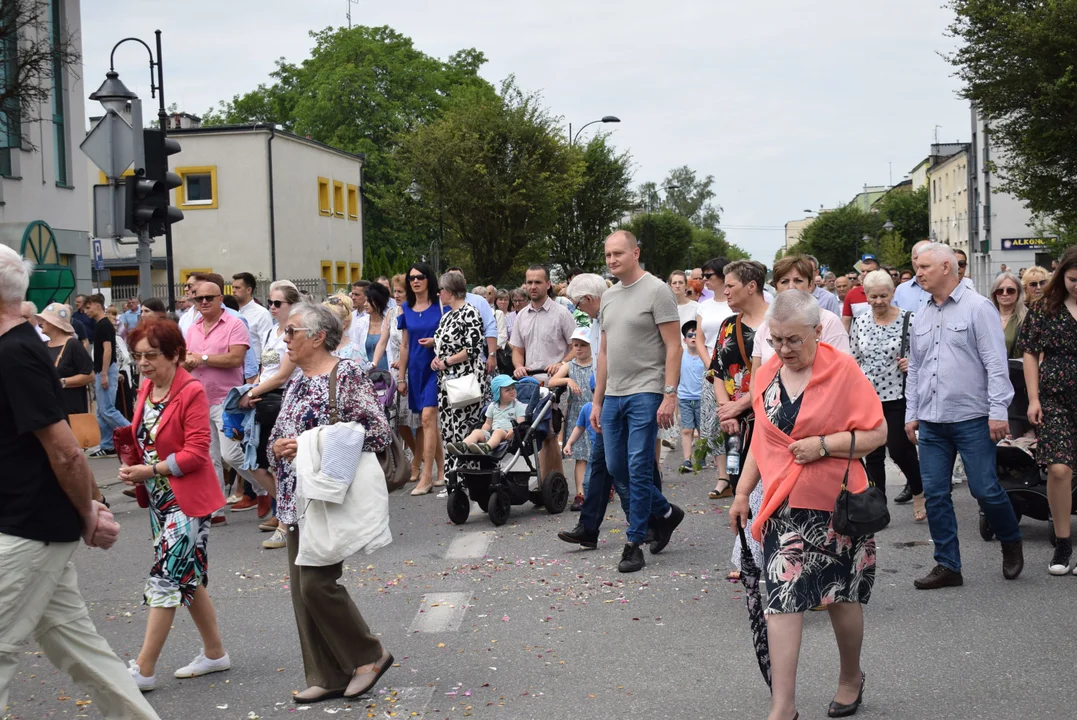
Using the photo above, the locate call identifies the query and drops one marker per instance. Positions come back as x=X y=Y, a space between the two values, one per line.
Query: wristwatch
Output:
x=669 y=389
x=205 y=359
x=823 y=452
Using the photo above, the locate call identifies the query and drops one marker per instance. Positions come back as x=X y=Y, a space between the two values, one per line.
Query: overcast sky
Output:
x=788 y=104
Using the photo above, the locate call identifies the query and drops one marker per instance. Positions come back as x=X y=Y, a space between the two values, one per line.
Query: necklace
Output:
x=789 y=388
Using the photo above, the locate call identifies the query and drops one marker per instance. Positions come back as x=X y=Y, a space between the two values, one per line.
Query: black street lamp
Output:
x=605 y=119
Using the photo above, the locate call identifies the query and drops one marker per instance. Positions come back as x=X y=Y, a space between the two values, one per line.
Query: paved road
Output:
x=512 y=623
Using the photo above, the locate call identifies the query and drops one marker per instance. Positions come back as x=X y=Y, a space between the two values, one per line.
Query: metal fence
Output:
x=315 y=288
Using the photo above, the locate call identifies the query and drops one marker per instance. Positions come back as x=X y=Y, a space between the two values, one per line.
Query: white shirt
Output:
x=711 y=314
x=833 y=334
x=259 y=321
x=687 y=312
x=187 y=319
x=359 y=328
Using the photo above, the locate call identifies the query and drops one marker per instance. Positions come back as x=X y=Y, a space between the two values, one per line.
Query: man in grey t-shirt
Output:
x=636 y=389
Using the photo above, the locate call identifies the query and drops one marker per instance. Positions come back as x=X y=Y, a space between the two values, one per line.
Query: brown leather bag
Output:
x=394 y=463
x=84 y=425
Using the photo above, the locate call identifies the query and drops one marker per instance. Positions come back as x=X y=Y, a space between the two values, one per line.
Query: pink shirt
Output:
x=228 y=331
x=833 y=334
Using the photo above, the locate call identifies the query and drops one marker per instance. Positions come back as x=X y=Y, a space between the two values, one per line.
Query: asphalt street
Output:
x=512 y=623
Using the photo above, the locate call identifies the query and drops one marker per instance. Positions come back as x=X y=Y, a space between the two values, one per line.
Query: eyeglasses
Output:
x=1006 y=291
x=791 y=343
x=416 y=278
x=335 y=301
x=202 y=299
x=278 y=303
x=150 y=355
x=1036 y=283
x=289 y=332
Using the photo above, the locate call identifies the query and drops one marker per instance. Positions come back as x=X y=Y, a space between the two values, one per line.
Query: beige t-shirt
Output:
x=635 y=352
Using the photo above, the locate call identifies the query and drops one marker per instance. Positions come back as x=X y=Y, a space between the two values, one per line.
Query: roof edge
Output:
x=266 y=128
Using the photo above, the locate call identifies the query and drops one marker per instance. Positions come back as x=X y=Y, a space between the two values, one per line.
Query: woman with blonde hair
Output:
x=340 y=305
x=1008 y=297
x=1035 y=281
x=407 y=422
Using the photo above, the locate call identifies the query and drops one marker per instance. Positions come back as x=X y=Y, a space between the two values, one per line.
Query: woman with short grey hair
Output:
x=320 y=319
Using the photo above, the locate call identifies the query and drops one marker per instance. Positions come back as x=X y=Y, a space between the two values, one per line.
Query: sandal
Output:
x=919 y=511
x=725 y=492
x=316 y=694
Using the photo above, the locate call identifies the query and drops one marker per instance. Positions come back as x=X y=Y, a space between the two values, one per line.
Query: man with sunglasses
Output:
x=191 y=312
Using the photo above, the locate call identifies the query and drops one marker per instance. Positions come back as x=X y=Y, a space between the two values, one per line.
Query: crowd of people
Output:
x=785 y=387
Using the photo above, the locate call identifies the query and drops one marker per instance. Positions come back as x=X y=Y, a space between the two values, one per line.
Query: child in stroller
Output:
x=500 y=415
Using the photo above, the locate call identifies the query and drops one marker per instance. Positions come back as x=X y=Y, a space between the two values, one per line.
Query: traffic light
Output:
x=147 y=193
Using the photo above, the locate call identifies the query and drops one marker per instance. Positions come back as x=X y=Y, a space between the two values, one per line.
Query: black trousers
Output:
x=902 y=452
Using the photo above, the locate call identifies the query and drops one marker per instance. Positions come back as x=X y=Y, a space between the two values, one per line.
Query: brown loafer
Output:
x=315 y=694
x=939 y=577
x=362 y=683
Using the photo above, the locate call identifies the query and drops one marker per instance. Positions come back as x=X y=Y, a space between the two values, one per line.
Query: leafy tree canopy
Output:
x=665 y=241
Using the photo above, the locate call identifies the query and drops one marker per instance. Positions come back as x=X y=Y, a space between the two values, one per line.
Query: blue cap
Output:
x=499 y=382
x=869 y=256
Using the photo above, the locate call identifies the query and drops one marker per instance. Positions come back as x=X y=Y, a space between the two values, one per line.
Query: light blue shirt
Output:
x=690 y=386
x=826 y=300
x=489 y=324
x=250 y=358
x=957 y=361
x=910 y=297
x=130 y=318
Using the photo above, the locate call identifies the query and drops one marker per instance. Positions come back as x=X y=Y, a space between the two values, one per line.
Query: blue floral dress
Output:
x=180 y=561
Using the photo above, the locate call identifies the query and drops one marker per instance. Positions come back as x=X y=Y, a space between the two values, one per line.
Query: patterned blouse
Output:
x=877 y=349
x=734 y=371
x=306 y=406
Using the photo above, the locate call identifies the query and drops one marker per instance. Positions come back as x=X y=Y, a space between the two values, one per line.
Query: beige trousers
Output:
x=39 y=599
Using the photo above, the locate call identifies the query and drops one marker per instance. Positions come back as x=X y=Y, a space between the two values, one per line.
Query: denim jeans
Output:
x=630 y=427
x=223 y=449
x=939 y=445
x=109 y=418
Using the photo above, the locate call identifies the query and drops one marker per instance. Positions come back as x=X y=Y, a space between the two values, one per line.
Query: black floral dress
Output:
x=807 y=564
x=1054 y=335
x=460 y=330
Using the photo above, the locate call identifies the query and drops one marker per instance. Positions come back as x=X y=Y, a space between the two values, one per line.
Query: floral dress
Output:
x=730 y=369
x=1054 y=335
x=306 y=406
x=460 y=330
x=180 y=562
x=806 y=564
x=581 y=374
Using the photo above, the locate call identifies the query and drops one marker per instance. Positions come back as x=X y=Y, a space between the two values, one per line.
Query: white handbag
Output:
x=463 y=391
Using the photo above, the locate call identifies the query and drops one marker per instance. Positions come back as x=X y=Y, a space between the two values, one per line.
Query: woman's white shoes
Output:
x=145 y=684
x=203 y=665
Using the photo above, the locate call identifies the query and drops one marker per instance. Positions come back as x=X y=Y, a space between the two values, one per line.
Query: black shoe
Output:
x=836 y=709
x=649 y=537
x=904 y=496
x=631 y=559
x=665 y=527
x=1062 y=561
x=939 y=577
x=1013 y=559
x=580 y=536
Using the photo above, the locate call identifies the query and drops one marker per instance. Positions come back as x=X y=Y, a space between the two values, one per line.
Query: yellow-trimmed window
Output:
x=338 y=198
x=353 y=202
x=327 y=275
x=357 y=272
x=324 y=206
x=198 y=189
x=342 y=275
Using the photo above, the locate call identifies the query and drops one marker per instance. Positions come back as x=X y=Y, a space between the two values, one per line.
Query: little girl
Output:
x=499 y=416
x=576 y=374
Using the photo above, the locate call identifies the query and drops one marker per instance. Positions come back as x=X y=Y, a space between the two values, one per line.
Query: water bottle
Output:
x=732 y=455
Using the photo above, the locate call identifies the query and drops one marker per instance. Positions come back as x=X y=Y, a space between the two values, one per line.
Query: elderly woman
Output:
x=458 y=346
x=340 y=304
x=880 y=346
x=809 y=400
x=171 y=426
x=503 y=303
x=73 y=364
x=341 y=656
x=1035 y=280
x=419 y=318
x=1008 y=297
x=389 y=345
x=1049 y=333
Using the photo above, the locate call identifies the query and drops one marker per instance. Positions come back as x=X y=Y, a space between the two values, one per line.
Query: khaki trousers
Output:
x=333 y=635
x=39 y=598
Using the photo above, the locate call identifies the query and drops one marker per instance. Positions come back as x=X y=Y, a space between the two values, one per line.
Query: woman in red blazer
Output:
x=171 y=425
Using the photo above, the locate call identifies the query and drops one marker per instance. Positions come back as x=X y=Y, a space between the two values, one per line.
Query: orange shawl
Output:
x=838 y=398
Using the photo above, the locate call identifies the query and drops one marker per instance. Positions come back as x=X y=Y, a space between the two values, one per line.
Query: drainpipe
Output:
x=272 y=213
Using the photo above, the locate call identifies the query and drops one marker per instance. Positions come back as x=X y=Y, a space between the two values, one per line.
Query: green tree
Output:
x=603 y=197
x=665 y=241
x=911 y=215
x=835 y=237
x=1018 y=63
x=497 y=167
x=892 y=250
x=708 y=244
x=362 y=90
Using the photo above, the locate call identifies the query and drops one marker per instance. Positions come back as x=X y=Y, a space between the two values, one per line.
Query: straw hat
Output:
x=59 y=315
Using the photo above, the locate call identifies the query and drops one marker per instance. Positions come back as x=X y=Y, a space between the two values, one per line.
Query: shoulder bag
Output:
x=463 y=390
x=394 y=463
x=859 y=514
x=84 y=425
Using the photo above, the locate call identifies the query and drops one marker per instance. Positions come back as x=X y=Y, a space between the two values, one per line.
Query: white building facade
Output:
x=948 y=193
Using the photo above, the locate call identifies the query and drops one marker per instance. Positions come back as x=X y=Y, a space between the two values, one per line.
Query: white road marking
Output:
x=441 y=612
x=470 y=545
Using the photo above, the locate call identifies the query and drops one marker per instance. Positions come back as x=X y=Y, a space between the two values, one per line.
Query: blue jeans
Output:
x=630 y=427
x=108 y=417
x=939 y=445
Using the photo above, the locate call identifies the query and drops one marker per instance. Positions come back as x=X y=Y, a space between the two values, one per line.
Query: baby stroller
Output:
x=510 y=476
x=385 y=389
x=1019 y=474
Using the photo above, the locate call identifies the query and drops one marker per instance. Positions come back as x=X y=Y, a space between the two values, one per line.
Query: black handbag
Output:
x=859 y=514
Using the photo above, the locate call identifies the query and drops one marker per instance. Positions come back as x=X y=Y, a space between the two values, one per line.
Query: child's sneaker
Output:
x=577 y=504
x=474 y=449
x=486 y=449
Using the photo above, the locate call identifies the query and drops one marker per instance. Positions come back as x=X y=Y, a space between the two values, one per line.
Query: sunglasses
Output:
x=202 y=299
x=690 y=335
x=278 y=303
x=1006 y=291
x=289 y=332
x=150 y=355
x=335 y=301
x=1036 y=283
x=961 y=263
x=708 y=276
x=416 y=278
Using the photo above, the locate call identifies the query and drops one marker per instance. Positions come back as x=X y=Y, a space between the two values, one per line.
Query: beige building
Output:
x=43 y=172
x=260 y=200
x=794 y=229
x=948 y=192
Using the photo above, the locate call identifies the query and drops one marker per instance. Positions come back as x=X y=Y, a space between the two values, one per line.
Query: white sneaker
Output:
x=145 y=684
x=202 y=665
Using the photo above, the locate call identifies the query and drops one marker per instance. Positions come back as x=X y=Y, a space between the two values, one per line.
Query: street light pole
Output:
x=605 y=119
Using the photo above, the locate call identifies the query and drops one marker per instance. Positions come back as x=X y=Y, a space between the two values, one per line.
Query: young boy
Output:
x=583 y=422
x=577 y=374
x=689 y=392
x=499 y=416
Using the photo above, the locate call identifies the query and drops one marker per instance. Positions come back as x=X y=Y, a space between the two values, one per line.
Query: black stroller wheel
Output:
x=459 y=506
x=555 y=493
x=985 y=529
x=499 y=506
